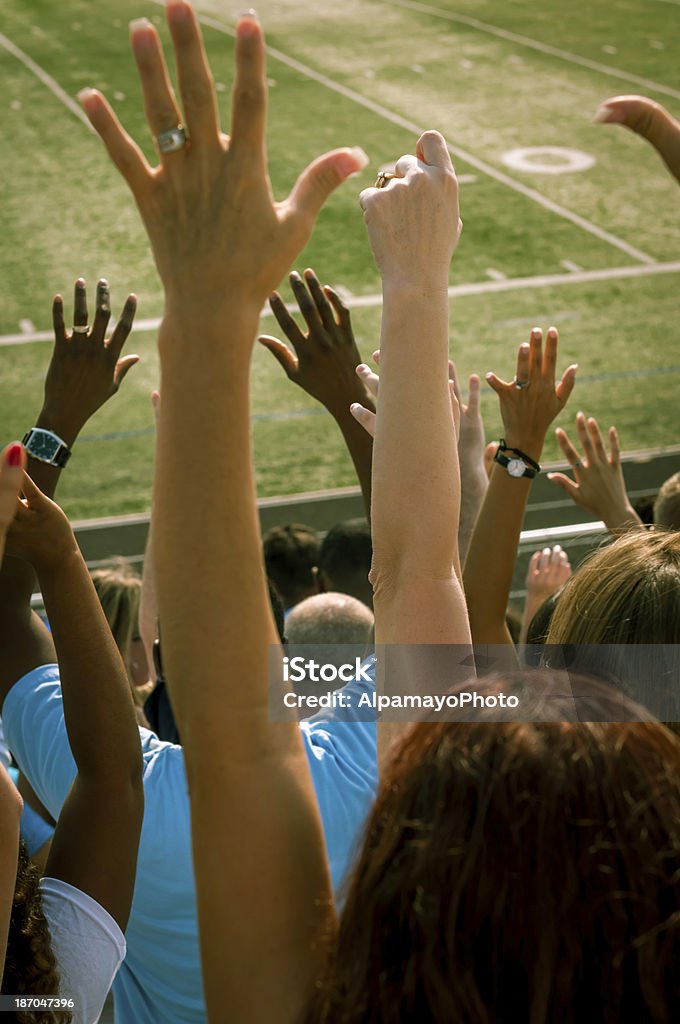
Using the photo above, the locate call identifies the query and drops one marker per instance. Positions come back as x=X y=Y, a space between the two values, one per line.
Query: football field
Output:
x=565 y=222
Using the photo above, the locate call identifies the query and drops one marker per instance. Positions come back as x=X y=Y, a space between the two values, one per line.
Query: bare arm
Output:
x=527 y=413
x=217 y=626
x=323 y=362
x=95 y=842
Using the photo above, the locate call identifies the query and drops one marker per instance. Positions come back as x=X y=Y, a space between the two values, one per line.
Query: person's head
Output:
x=345 y=560
x=291 y=556
x=667 y=504
x=516 y=871
x=330 y=619
x=119 y=589
x=30 y=965
x=620 y=615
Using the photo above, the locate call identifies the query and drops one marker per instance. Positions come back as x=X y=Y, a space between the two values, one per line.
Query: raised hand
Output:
x=324 y=357
x=12 y=462
x=598 y=483
x=217 y=235
x=649 y=120
x=531 y=401
x=548 y=570
x=40 y=532
x=86 y=367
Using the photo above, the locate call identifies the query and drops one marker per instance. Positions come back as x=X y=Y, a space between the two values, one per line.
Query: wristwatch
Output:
x=46 y=446
x=519 y=464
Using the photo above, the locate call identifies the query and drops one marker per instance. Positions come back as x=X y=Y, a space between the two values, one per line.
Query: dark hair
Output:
x=30 y=964
x=345 y=559
x=291 y=554
x=516 y=872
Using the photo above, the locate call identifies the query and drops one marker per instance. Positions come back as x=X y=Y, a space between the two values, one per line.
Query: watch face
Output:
x=43 y=445
x=516 y=467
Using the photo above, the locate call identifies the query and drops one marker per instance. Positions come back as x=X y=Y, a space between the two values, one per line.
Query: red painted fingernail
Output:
x=14 y=454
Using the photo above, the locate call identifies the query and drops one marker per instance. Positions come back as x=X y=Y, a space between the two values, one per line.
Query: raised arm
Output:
x=221 y=246
x=413 y=226
x=598 y=484
x=323 y=361
x=529 y=404
x=95 y=842
x=85 y=370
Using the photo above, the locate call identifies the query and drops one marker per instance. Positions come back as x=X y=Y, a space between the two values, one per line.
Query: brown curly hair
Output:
x=30 y=964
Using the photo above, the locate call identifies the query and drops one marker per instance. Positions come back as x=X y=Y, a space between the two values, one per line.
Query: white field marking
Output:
x=534 y=44
x=495 y=275
x=510 y=284
x=462 y=154
x=569 y=265
x=46 y=79
x=677 y=2
x=524 y=159
x=27 y=326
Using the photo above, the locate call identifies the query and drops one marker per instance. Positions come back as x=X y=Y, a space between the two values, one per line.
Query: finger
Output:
x=405 y=164
x=282 y=354
x=498 y=385
x=489 y=456
x=363 y=416
x=535 y=365
x=370 y=379
x=123 y=366
x=649 y=120
x=432 y=150
x=366 y=197
x=156 y=405
x=162 y=111
x=103 y=309
x=341 y=311
x=12 y=466
x=614 y=447
x=322 y=304
x=80 y=303
x=474 y=395
x=285 y=321
x=550 y=354
x=122 y=328
x=376 y=356
x=533 y=564
x=196 y=84
x=308 y=309
x=124 y=152
x=455 y=408
x=58 y=320
x=596 y=438
x=544 y=559
x=566 y=385
x=570 y=453
x=322 y=177
x=31 y=491
x=566 y=484
x=453 y=377
x=249 y=95
x=556 y=555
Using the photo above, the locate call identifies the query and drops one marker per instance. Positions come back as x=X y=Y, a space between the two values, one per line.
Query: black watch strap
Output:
x=503 y=447
x=46 y=446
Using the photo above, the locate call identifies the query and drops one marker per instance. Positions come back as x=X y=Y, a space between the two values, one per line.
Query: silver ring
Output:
x=383 y=178
x=172 y=140
x=520 y=384
x=81 y=329
x=577 y=464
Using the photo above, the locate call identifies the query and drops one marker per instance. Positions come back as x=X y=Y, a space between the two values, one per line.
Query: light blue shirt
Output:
x=160 y=978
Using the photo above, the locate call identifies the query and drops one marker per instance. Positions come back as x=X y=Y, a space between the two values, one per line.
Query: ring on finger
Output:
x=520 y=384
x=81 y=329
x=383 y=179
x=172 y=140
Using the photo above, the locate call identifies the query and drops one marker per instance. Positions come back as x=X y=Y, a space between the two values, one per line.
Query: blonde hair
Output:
x=620 y=612
x=119 y=589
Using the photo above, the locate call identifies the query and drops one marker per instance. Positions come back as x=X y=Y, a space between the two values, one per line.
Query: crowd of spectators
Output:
x=175 y=828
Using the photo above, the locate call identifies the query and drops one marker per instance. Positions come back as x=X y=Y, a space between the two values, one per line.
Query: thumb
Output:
x=281 y=352
x=432 y=150
x=322 y=177
x=122 y=367
x=364 y=416
x=649 y=120
x=567 y=485
x=32 y=492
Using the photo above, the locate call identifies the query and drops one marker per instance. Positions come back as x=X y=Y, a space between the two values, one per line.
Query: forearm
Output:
x=360 y=447
x=474 y=484
x=98 y=708
x=148 y=610
x=622 y=519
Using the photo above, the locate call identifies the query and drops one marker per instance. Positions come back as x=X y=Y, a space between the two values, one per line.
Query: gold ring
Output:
x=383 y=178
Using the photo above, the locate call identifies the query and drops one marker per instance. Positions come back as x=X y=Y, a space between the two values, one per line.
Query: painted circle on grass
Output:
x=548 y=160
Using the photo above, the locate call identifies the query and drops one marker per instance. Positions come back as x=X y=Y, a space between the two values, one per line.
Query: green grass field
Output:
x=508 y=75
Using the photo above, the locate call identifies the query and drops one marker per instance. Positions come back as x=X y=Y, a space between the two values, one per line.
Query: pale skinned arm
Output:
x=94 y=846
x=273 y=896
x=526 y=414
x=413 y=226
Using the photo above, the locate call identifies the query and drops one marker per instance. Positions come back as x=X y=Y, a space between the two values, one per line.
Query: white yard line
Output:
x=462 y=154
x=534 y=44
x=46 y=80
x=510 y=284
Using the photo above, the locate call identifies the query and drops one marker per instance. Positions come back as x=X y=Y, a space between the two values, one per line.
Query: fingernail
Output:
x=178 y=12
x=362 y=368
x=248 y=23
x=354 y=408
x=608 y=115
x=488 y=375
x=14 y=454
x=294 y=276
x=249 y=13
x=347 y=162
x=140 y=31
x=85 y=95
